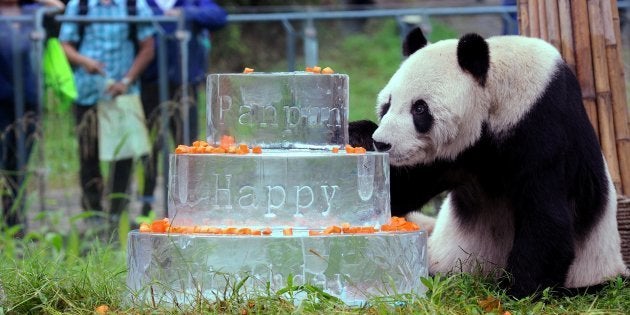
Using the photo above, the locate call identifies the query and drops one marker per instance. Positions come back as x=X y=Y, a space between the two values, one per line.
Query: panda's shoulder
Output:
x=521 y=49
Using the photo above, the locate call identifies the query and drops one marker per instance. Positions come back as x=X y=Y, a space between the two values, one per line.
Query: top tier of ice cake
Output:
x=284 y=110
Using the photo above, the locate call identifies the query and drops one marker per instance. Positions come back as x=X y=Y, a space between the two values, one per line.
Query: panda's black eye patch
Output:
x=385 y=107
x=422 y=118
x=419 y=107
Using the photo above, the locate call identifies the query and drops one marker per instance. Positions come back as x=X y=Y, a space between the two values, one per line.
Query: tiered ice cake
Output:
x=336 y=204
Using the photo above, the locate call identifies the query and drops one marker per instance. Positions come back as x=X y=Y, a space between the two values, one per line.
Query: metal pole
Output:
x=164 y=114
x=183 y=36
x=310 y=43
x=38 y=37
x=290 y=44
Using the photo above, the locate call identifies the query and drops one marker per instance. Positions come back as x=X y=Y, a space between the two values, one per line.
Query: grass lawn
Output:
x=40 y=277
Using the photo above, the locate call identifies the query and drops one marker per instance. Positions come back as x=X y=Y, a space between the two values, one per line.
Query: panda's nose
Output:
x=382 y=146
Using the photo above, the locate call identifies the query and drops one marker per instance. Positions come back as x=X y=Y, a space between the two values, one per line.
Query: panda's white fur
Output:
x=432 y=73
x=520 y=70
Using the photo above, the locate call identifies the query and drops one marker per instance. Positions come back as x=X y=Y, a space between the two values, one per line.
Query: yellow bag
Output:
x=122 y=130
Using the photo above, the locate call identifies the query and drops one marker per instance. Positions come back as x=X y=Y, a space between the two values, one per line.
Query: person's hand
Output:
x=51 y=3
x=116 y=89
x=173 y=12
x=93 y=66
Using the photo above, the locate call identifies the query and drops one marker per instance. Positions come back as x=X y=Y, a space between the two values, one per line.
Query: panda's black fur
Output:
x=539 y=189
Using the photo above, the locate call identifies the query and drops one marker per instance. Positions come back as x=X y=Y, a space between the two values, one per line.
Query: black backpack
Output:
x=132 y=10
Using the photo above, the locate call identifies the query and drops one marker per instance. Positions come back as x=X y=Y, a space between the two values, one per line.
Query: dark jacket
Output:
x=202 y=17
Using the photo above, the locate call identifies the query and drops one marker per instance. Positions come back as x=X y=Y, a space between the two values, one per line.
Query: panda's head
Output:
x=435 y=104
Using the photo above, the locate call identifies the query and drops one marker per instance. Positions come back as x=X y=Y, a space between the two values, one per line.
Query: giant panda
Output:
x=499 y=125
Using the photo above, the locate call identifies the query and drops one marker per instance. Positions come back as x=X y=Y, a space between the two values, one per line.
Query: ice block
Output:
x=279 y=110
x=181 y=268
x=298 y=188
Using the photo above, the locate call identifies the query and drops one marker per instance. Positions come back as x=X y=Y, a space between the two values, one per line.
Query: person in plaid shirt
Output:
x=106 y=65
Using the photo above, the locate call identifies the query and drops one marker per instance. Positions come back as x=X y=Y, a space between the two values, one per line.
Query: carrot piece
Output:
x=244 y=231
x=266 y=231
x=353 y=230
x=335 y=150
x=181 y=149
x=328 y=70
x=160 y=226
x=367 y=229
x=218 y=150
x=145 y=227
x=215 y=230
x=256 y=232
x=200 y=143
x=349 y=149
x=317 y=69
x=333 y=229
x=226 y=141
x=208 y=149
x=314 y=233
x=248 y=70
x=345 y=227
x=102 y=309
x=243 y=149
x=230 y=230
x=257 y=149
x=287 y=231
x=360 y=150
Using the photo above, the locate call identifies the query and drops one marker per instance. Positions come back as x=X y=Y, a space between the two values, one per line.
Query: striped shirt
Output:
x=108 y=43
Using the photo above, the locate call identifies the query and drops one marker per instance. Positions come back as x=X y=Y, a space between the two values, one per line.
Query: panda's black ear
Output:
x=473 y=55
x=413 y=41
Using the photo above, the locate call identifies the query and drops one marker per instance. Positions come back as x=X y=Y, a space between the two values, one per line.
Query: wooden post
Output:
x=523 y=17
x=603 y=94
x=553 y=21
x=618 y=92
x=542 y=23
x=534 y=27
x=566 y=33
x=583 y=58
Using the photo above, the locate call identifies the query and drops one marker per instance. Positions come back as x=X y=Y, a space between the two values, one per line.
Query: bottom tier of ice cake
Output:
x=182 y=268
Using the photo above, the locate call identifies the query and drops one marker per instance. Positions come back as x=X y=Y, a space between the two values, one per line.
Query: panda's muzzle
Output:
x=382 y=146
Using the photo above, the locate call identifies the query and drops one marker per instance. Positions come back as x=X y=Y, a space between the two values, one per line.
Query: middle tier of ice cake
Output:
x=279 y=110
x=297 y=188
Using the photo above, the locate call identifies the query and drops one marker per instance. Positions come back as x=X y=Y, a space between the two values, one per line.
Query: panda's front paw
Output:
x=425 y=222
x=360 y=133
x=517 y=289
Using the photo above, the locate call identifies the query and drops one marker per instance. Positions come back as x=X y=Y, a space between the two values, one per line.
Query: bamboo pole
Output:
x=553 y=23
x=583 y=59
x=534 y=27
x=618 y=93
x=602 y=92
x=542 y=24
x=566 y=33
x=523 y=18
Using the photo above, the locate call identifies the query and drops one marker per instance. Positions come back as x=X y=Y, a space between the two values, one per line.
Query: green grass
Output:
x=39 y=278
